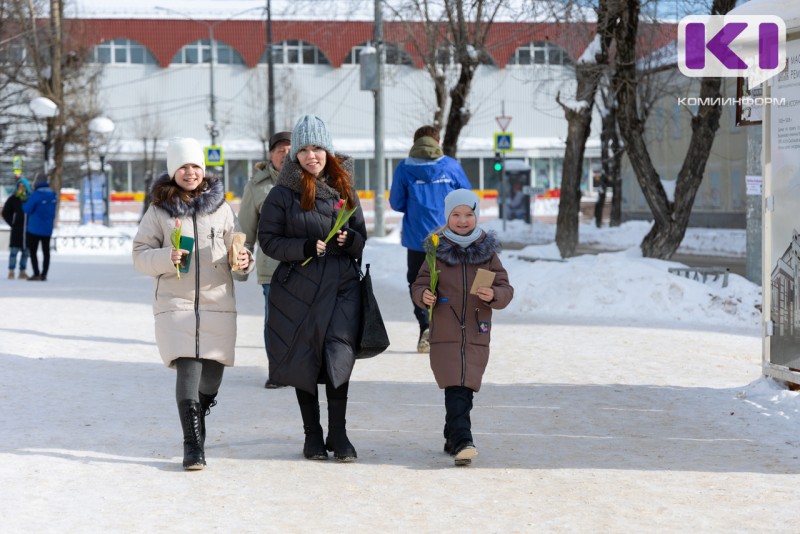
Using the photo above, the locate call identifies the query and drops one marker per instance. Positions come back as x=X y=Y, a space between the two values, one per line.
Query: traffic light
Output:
x=498 y=162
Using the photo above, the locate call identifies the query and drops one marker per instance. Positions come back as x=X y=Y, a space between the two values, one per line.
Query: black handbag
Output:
x=372 y=337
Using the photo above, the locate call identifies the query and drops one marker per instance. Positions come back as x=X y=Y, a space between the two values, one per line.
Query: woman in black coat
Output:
x=314 y=308
x=14 y=215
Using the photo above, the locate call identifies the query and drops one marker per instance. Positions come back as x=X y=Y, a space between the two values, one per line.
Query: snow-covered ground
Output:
x=618 y=398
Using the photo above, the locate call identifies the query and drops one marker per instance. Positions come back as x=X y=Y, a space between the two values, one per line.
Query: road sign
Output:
x=503 y=122
x=214 y=156
x=503 y=142
x=17 y=164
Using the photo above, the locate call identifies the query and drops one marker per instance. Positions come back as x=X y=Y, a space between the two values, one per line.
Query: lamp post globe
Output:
x=45 y=109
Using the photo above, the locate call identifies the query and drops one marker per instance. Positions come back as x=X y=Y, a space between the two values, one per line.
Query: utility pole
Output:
x=213 y=109
x=270 y=74
x=380 y=164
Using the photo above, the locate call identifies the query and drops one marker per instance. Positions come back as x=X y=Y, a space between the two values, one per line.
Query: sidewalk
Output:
x=580 y=428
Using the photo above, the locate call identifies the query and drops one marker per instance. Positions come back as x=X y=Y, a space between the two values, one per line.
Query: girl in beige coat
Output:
x=195 y=315
x=462 y=321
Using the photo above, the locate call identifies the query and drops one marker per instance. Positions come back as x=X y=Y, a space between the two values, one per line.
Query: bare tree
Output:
x=54 y=67
x=149 y=128
x=588 y=73
x=611 y=151
x=451 y=31
x=670 y=217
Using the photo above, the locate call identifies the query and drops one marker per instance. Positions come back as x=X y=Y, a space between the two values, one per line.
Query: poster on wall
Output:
x=784 y=263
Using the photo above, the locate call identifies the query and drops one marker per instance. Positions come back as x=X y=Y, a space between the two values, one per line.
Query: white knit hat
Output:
x=183 y=150
x=310 y=130
x=462 y=197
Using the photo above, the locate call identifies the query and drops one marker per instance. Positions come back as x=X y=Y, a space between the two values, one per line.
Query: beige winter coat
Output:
x=195 y=316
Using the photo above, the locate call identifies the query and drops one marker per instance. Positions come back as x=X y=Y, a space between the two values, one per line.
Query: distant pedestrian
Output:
x=195 y=312
x=255 y=191
x=15 y=217
x=419 y=186
x=314 y=307
x=462 y=321
x=41 y=209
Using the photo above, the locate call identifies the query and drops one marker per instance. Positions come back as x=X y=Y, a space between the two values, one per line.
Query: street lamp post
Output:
x=103 y=127
x=44 y=108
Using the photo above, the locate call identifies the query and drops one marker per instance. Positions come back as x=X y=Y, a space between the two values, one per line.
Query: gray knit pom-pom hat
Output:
x=310 y=130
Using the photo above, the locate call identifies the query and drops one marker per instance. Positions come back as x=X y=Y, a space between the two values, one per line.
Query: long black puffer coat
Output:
x=313 y=309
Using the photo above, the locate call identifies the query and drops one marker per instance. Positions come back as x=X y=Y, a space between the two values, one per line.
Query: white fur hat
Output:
x=183 y=150
x=462 y=197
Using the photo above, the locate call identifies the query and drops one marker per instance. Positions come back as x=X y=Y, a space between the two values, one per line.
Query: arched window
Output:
x=297 y=53
x=122 y=51
x=200 y=52
x=540 y=53
x=446 y=55
x=393 y=54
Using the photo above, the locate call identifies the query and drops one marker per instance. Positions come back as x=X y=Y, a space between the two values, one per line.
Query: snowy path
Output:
x=579 y=427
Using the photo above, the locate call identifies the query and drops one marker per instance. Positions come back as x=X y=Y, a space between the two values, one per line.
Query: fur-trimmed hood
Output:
x=479 y=252
x=206 y=202
x=291 y=177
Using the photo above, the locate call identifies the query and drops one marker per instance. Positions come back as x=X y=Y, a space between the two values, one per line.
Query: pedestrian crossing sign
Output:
x=214 y=156
x=503 y=142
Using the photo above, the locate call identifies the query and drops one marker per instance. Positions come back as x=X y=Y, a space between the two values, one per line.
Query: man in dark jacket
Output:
x=419 y=186
x=14 y=215
x=41 y=210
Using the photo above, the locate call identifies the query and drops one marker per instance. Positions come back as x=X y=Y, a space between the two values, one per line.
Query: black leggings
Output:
x=332 y=393
x=197 y=375
x=33 y=244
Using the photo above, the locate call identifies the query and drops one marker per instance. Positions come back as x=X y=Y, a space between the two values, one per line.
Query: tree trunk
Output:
x=459 y=115
x=57 y=91
x=579 y=122
x=670 y=219
x=611 y=159
x=578 y=128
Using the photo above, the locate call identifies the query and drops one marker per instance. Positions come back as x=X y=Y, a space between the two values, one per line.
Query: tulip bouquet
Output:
x=430 y=257
x=175 y=239
x=341 y=219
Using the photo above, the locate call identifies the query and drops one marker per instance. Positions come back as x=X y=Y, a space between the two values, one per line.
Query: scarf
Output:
x=463 y=240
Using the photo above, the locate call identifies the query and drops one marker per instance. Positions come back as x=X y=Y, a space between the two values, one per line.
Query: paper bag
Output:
x=483 y=278
x=236 y=246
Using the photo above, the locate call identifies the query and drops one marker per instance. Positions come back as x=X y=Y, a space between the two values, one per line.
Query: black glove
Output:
x=310 y=248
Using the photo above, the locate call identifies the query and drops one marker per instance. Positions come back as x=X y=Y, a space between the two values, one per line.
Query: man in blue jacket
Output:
x=41 y=210
x=419 y=186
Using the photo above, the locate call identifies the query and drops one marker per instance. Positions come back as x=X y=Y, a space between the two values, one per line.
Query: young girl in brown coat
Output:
x=462 y=322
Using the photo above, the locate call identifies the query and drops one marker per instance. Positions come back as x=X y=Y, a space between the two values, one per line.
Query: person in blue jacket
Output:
x=41 y=210
x=419 y=186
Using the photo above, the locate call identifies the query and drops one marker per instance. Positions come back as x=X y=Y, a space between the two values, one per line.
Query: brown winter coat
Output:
x=459 y=350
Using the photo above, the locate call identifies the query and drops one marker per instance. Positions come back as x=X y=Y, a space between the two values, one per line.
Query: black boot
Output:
x=193 y=455
x=206 y=403
x=314 y=446
x=337 y=440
